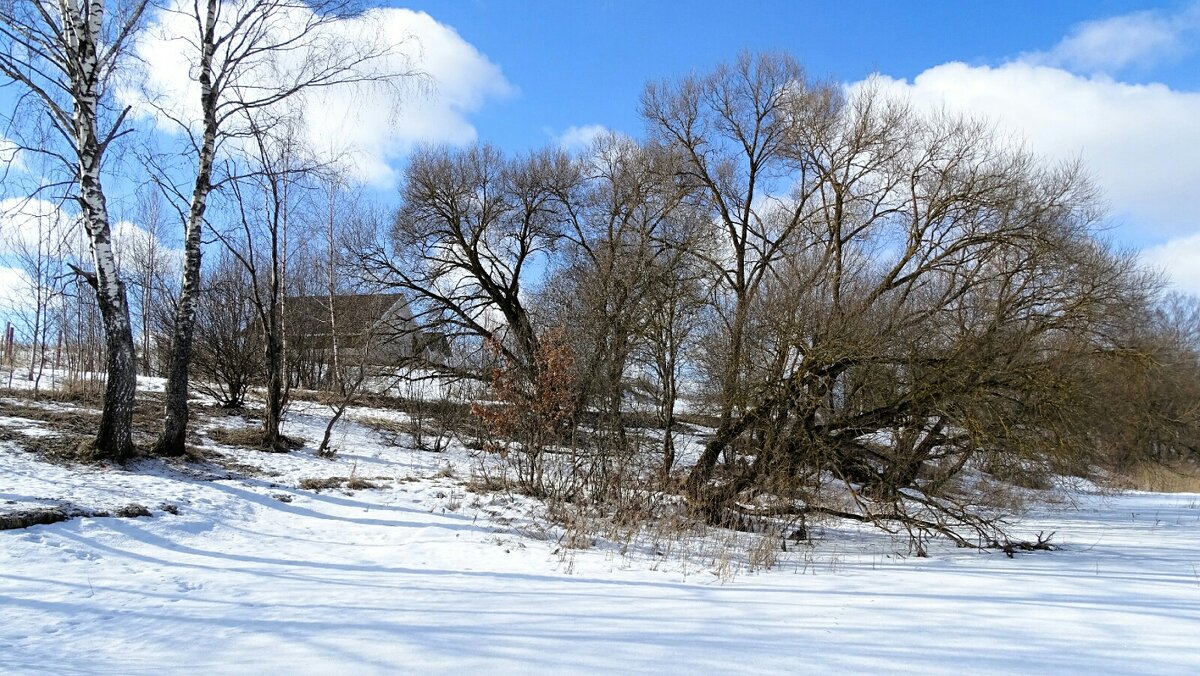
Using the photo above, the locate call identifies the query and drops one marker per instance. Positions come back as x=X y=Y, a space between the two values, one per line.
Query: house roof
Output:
x=377 y=317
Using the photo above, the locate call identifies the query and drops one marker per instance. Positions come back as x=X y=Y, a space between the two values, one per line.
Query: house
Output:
x=371 y=330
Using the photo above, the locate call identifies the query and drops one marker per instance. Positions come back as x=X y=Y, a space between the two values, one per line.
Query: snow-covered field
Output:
x=422 y=576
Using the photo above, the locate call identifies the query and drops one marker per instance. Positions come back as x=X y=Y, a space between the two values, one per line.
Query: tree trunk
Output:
x=275 y=348
x=323 y=449
x=175 y=420
x=728 y=429
x=275 y=397
x=37 y=319
x=670 y=396
x=172 y=441
x=114 y=439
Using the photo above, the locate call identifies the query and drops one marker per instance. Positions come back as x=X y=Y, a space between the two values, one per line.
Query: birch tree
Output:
x=247 y=56
x=64 y=55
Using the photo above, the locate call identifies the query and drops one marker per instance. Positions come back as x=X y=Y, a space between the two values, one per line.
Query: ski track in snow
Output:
x=421 y=576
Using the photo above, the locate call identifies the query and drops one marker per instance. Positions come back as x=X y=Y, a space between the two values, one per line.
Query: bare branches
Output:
x=919 y=307
x=470 y=224
x=63 y=54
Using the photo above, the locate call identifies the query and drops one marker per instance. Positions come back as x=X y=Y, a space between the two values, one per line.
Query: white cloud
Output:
x=362 y=121
x=575 y=139
x=372 y=123
x=127 y=234
x=23 y=222
x=1180 y=259
x=134 y=245
x=1114 y=43
x=1139 y=141
x=15 y=290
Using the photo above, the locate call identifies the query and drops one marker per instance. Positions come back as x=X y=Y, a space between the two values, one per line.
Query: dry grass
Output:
x=77 y=421
x=384 y=424
x=236 y=436
x=227 y=462
x=320 y=484
x=427 y=434
x=148 y=417
x=446 y=412
x=763 y=554
x=393 y=432
x=62 y=448
x=252 y=438
x=81 y=387
x=83 y=415
x=353 y=483
x=489 y=484
x=1159 y=478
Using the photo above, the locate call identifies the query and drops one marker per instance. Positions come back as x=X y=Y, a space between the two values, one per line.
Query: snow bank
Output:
x=421 y=576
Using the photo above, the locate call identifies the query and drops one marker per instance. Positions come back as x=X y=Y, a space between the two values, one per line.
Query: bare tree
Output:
x=674 y=313
x=730 y=128
x=258 y=238
x=623 y=246
x=228 y=356
x=942 y=290
x=148 y=265
x=64 y=55
x=625 y=217
x=471 y=226
x=250 y=56
x=80 y=348
x=1147 y=387
x=347 y=370
x=36 y=236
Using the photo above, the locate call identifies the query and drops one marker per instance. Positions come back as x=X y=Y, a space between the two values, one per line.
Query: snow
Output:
x=25 y=426
x=422 y=576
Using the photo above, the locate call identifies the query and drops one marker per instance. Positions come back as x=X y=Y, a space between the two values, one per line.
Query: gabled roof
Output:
x=377 y=317
x=356 y=312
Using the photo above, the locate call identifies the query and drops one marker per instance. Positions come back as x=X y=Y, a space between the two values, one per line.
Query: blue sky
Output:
x=576 y=63
x=1112 y=81
x=1115 y=82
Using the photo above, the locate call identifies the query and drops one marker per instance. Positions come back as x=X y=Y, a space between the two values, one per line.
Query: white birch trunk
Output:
x=175 y=420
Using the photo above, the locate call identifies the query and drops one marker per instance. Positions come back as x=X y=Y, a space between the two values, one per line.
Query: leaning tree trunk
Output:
x=172 y=440
x=729 y=427
x=174 y=433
